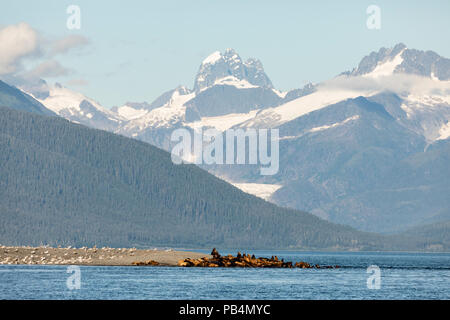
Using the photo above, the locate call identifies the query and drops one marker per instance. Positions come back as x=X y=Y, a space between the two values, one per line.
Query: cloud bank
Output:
x=21 y=42
x=398 y=83
x=48 y=69
x=68 y=43
x=16 y=43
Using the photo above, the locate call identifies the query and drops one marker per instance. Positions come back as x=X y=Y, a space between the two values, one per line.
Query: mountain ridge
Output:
x=409 y=84
x=87 y=186
x=13 y=97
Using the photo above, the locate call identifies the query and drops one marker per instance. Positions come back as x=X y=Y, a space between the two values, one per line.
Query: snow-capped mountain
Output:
x=131 y=111
x=76 y=107
x=380 y=131
x=225 y=85
x=400 y=59
x=227 y=91
x=422 y=83
x=229 y=65
x=169 y=114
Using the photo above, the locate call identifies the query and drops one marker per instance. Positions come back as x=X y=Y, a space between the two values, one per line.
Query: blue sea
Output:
x=400 y=276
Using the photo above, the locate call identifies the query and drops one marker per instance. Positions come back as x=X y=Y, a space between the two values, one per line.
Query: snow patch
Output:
x=281 y=94
x=212 y=58
x=62 y=99
x=426 y=99
x=261 y=190
x=223 y=123
x=171 y=113
x=164 y=116
x=444 y=132
x=291 y=110
x=321 y=128
x=334 y=124
x=233 y=81
x=130 y=113
x=387 y=68
x=178 y=100
x=433 y=76
x=409 y=111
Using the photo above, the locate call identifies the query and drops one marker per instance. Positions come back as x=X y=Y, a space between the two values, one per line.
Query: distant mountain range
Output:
x=368 y=148
x=65 y=184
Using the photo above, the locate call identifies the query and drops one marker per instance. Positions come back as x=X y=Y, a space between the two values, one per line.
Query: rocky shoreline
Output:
x=106 y=256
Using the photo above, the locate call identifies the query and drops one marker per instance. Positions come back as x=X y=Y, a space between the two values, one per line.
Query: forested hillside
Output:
x=429 y=237
x=63 y=183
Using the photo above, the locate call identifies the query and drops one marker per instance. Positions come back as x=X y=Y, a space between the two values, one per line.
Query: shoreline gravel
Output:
x=91 y=256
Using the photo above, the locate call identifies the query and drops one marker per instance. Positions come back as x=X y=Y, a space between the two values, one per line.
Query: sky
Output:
x=136 y=50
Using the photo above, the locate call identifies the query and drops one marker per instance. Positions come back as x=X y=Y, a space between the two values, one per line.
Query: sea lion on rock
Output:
x=215 y=253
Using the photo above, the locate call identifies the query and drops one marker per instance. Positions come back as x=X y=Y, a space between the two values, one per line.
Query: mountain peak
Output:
x=220 y=65
x=182 y=90
x=400 y=59
x=375 y=59
x=230 y=51
x=400 y=46
x=212 y=58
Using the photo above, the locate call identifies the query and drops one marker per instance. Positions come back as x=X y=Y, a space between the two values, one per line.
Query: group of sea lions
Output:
x=244 y=261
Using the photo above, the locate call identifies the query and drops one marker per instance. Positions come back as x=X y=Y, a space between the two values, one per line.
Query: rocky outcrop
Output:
x=244 y=261
x=229 y=64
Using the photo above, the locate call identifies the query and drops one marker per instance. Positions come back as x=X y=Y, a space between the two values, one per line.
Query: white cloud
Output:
x=16 y=42
x=47 y=69
x=397 y=83
x=21 y=41
x=77 y=82
x=63 y=45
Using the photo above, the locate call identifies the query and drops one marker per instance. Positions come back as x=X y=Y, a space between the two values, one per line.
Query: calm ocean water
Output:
x=403 y=276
